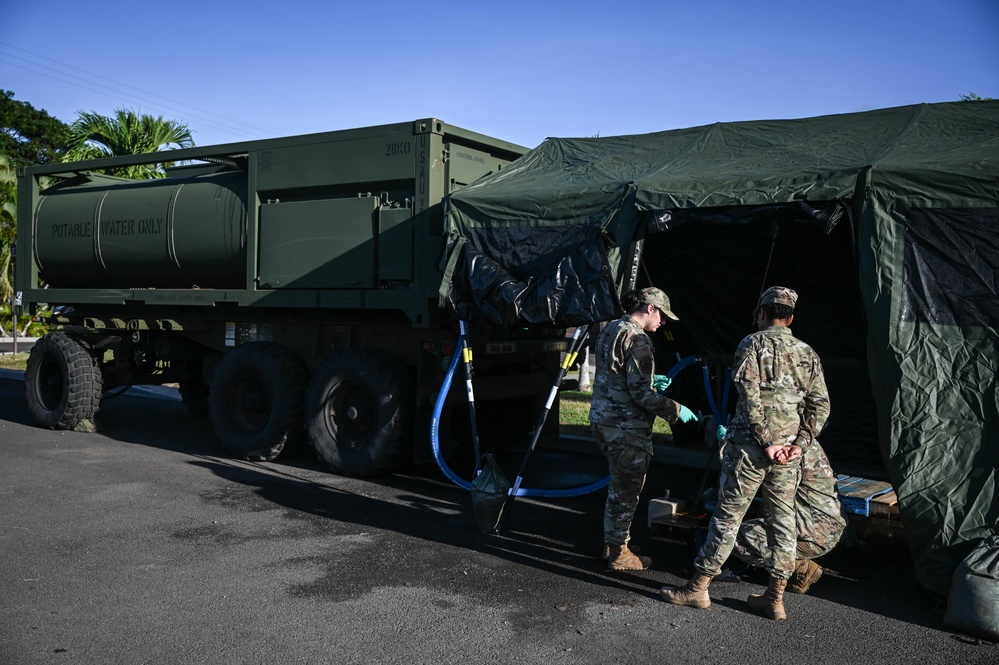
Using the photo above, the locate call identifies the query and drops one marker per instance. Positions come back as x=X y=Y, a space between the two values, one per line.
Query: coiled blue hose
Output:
x=464 y=484
x=681 y=365
x=529 y=491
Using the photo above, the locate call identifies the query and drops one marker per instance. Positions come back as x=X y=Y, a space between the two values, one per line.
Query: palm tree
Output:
x=8 y=225
x=126 y=133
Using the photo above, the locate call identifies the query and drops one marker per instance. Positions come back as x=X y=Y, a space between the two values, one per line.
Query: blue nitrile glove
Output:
x=686 y=415
x=660 y=382
x=721 y=432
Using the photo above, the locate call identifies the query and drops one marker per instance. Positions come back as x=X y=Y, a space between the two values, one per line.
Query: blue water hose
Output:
x=681 y=365
x=711 y=396
x=464 y=484
x=435 y=426
x=551 y=493
x=686 y=362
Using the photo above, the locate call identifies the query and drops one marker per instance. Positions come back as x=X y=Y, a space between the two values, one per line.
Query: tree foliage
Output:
x=30 y=136
x=8 y=225
x=27 y=136
x=126 y=133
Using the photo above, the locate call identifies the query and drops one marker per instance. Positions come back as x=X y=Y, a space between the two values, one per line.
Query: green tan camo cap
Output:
x=779 y=295
x=657 y=297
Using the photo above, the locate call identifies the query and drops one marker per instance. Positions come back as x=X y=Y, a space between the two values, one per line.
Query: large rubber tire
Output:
x=360 y=412
x=62 y=382
x=255 y=400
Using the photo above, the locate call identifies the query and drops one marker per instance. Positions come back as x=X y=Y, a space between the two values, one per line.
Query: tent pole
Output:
x=773 y=243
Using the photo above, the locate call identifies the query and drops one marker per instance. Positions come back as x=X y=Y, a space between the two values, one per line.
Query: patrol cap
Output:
x=779 y=295
x=657 y=297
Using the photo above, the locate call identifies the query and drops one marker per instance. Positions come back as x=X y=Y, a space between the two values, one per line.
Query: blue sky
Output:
x=520 y=71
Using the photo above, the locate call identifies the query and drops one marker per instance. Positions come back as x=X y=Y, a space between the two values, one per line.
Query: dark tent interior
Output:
x=714 y=266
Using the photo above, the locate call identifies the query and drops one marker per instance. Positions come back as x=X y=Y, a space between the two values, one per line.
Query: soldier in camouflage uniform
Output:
x=622 y=410
x=819 y=517
x=783 y=404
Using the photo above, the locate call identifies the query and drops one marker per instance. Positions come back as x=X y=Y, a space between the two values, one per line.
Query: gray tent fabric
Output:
x=887 y=219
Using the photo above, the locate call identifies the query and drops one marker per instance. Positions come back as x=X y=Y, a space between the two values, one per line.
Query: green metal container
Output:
x=176 y=233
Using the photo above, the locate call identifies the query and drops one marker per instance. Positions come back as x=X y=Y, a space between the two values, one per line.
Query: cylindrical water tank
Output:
x=177 y=233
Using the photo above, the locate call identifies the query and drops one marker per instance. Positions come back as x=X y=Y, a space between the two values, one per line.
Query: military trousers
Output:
x=753 y=546
x=628 y=463
x=745 y=470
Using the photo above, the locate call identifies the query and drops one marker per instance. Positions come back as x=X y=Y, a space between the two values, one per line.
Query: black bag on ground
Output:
x=489 y=493
x=973 y=603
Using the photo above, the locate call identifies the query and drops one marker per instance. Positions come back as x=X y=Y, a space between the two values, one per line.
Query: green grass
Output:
x=574 y=412
x=16 y=361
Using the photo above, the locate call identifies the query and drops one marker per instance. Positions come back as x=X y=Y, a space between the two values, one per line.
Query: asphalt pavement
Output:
x=145 y=543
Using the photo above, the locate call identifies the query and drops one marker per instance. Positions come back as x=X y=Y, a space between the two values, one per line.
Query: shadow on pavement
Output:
x=560 y=537
x=557 y=539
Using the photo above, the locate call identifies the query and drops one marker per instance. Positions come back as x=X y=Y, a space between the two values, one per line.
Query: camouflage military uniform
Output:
x=782 y=400
x=622 y=410
x=819 y=515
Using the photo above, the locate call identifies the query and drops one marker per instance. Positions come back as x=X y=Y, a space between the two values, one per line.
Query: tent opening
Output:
x=713 y=263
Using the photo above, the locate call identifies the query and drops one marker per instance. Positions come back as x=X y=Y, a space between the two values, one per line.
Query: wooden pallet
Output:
x=868 y=498
x=677 y=529
x=860 y=496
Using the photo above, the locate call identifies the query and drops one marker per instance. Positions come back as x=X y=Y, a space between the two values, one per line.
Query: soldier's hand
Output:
x=686 y=415
x=776 y=453
x=660 y=382
x=793 y=453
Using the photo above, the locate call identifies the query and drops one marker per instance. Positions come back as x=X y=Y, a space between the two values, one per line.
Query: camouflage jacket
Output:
x=782 y=391
x=622 y=386
x=819 y=512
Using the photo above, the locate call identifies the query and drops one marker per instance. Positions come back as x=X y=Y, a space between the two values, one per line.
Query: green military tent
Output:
x=885 y=222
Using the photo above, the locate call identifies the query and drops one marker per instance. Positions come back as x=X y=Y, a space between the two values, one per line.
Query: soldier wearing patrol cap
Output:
x=778 y=295
x=783 y=404
x=622 y=410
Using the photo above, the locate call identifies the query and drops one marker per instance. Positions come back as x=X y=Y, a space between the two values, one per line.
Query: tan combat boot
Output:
x=806 y=573
x=692 y=594
x=605 y=554
x=619 y=557
x=771 y=601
